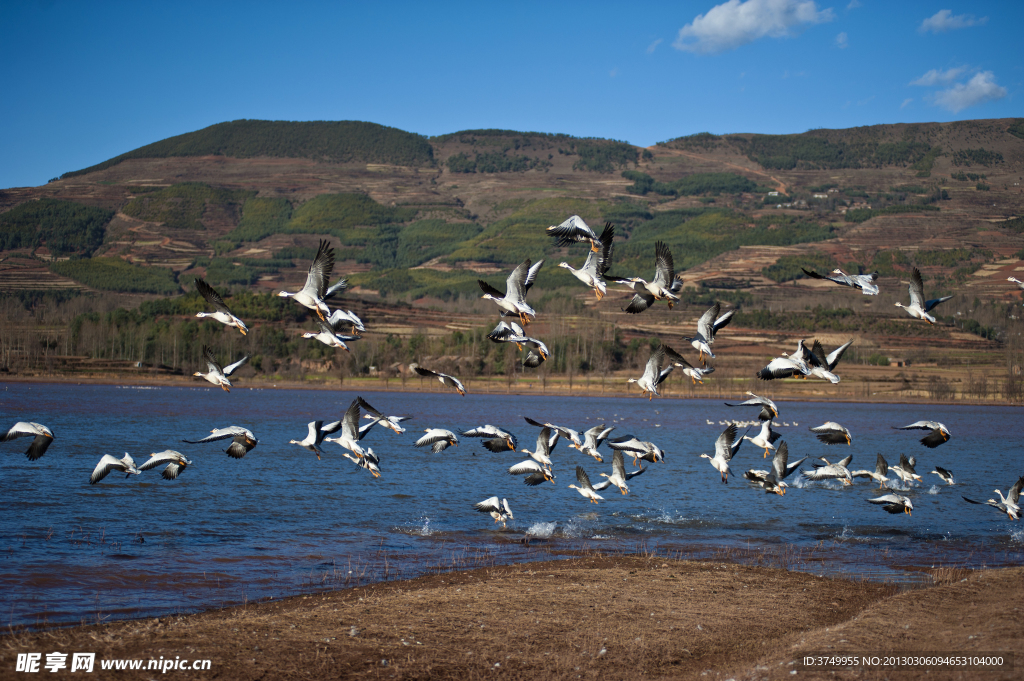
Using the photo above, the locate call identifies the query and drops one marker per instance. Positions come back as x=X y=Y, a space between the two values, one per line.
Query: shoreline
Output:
x=586 y=616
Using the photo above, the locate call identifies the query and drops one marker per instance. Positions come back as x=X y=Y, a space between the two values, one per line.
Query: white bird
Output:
x=696 y=375
x=653 y=374
x=438 y=438
x=217 y=375
x=109 y=463
x=894 y=503
x=864 y=282
x=1010 y=504
x=783 y=367
x=311 y=295
x=585 y=488
x=1018 y=282
x=242 y=440
x=879 y=475
x=379 y=419
x=597 y=263
x=545 y=443
x=498 y=440
x=764 y=439
x=313 y=438
x=445 y=379
x=946 y=475
x=368 y=461
x=573 y=231
x=176 y=463
x=831 y=470
x=938 y=435
x=498 y=509
x=659 y=288
x=619 y=475
x=329 y=335
x=822 y=365
x=905 y=471
x=568 y=433
x=709 y=324
x=768 y=408
x=723 y=453
x=831 y=433
x=774 y=480
x=506 y=332
x=535 y=472
x=919 y=307
x=593 y=439
x=42 y=435
x=638 y=449
x=222 y=314
x=513 y=301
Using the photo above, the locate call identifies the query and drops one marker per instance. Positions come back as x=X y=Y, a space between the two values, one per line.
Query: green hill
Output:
x=334 y=141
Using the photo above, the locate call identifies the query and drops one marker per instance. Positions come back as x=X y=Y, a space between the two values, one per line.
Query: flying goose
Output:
x=619 y=475
x=339 y=316
x=368 y=461
x=312 y=293
x=176 y=463
x=532 y=360
x=242 y=440
x=1018 y=282
x=575 y=230
x=350 y=431
x=438 y=438
x=822 y=365
x=217 y=375
x=498 y=509
x=593 y=439
x=313 y=438
x=905 y=471
x=638 y=449
x=109 y=463
x=773 y=480
x=919 y=307
x=328 y=333
x=831 y=470
x=568 y=433
x=893 y=503
x=865 y=282
x=653 y=374
x=222 y=314
x=783 y=367
x=768 y=408
x=535 y=472
x=513 y=301
x=947 y=476
x=42 y=435
x=545 y=443
x=660 y=288
x=878 y=475
x=831 y=433
x=696 y=375
x=445 y=379
x=765 y=438
x=585 y=488
x=1010 y=504
x=709 y=324
x=597 y=263
x=939 y=432
x=379 y=419
x=499 y=440
x=723 y=453
x=510 y=332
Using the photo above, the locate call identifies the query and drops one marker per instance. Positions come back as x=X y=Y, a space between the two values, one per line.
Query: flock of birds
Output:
x=516 y=314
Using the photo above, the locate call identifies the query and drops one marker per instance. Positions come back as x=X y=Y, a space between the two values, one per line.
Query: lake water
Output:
x=279 y=522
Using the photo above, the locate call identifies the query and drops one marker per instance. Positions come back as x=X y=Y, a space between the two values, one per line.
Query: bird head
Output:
x=284 y=294
x=565 y=265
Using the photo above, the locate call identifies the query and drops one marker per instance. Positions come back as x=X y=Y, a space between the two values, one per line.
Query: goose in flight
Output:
x=905 y=471
x=42 y=437
x=878 y=475
x=176 y=463
x=368 y=461
x=773 y=480
x=329 y=334
x=638 y=449
x=831 y=470
x=216 y=375
x=1018 y=282
x=109 y=463
x=653 y=375
x=768 y=408
x=1010 y=504
x=831 y=433
x=696 y=375
x=938 y=435
x=535 y=472
x=865 y=282
x=585 y=488
x=919 y=307
x=592 y=439
x=498 y=509
x=545 y=443
x=598 y=261
x=311 y=295
x=351 y=433
x=439 y=439
x=709 y=324
x=573 y=231
x=947 y=476
x=510 y=332
x=893 y=503
x=723 y=453
x=313 y=438
x=379 y=419
x=822 y=365
x=242 y=440
x=338 y=315
x=498 y=440
x=222 y=314
x=660 y=288
x=765 y=438
x=532 y=360
x=568 y=433
x=513 y=301
x=783 y=367
x=445 y=379
x=619 y=475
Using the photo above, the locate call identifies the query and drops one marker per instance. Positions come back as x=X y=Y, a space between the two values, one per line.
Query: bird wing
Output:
x=845 y=462
x=160 y=458
x=528 y=466
x=723 y=445
x=516 y=283
x=654 y=363
x=531 y=276
x=433 y=436
x=881 y=466
x=675 y=357
x=211 y=361
x=916 y=289
x=833 y=357
x=572 y=230
x=792 y=467
x=499 y=445
x=929 y=304
x=934 y=438
x=320 y=271
x=427 y=372
x=504 y=331
x=229 y=369
x=606 y=239
x=619 y=464
x=583 y=478
x=211 y=296
x=780 y=461
x=335 y=289
x=532 y=360
x=106 y=464
x=705 y=325
x=483 y=431
x=664 y=270
x=219 y=434
x=38 y=447
x=638 y=303
x=918 y=425
x=1014 y=493
x=887 y=499
x=350 y=421
x=817 y=356
x=814 y=275
x=239 y=447
x=488 y=289
x=488 y=505
x=439 y=446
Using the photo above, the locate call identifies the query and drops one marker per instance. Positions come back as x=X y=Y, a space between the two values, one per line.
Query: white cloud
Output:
x=735 y=23
x=613 y=73
x=937 y=77
x=854 y=4
x=943 y=21
x=981 y=88
x=653 y=46
x=842 y=41
x=906 y=102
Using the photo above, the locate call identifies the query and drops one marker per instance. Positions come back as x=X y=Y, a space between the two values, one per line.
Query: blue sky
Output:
x=87 y=81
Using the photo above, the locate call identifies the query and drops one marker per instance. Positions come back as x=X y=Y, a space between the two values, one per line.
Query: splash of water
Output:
x=1017 y=536
x=541 y=530
x=845 y=535
x=935 y=489
x=425 y=530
